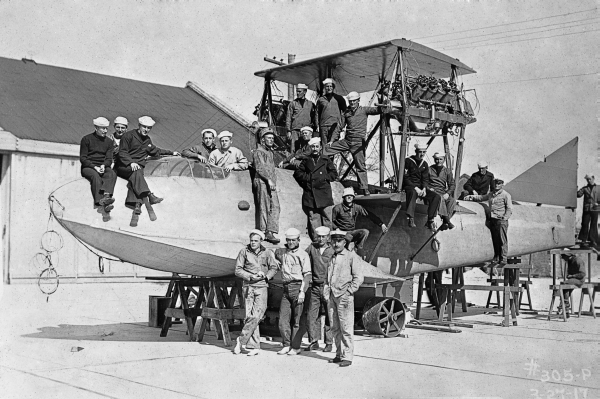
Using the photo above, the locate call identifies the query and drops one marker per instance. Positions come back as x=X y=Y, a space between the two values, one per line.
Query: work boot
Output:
x=430 y=224
x=335 y=360
x=328 y=348
x=108 y=208
x=138 y=209
x=444 y=226
x=106 y=200
x=411 y=222
x=313 y=346
x=345 y=363
x=270 y=237
x=153 y=199
x=253 y=352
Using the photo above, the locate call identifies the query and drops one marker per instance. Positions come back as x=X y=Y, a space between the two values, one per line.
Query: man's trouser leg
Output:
x=450 y=205
x=256 y=305
x=317 y=300
x=433 y=200
x=503 y=235
x=273 y=217
x=303 y=327
x=91 y=175
x=325 y=134
x=358 y=154
x=411 y=201
x=137 y=185
x=295 y=134
x=313 y=221
x=262 y=203
x=326 y=215
x=358 y=237
x=496 y=243
x=589 y=227
x=289 y=312
x=343 y=311
x=336 y=148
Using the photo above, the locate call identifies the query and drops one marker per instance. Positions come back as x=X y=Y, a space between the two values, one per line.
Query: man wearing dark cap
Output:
x=96 y=156
x=500 y=210
x=264 y=187
x=588 y=235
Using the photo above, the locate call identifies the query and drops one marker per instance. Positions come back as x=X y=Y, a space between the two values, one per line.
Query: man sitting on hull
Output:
x=344 y=218
x=301 y=150
x=135 y=147
x=416 y=184
x=96 y=156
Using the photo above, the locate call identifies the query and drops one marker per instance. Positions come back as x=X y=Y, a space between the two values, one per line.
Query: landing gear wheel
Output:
x=384 y=316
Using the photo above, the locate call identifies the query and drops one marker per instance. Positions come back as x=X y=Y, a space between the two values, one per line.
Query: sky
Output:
x=530 y=103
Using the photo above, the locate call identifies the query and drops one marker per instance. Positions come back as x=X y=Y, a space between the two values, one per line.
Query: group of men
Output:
x=325 y=275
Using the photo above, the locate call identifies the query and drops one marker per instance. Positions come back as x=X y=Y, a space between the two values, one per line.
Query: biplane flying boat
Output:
x=208 y=212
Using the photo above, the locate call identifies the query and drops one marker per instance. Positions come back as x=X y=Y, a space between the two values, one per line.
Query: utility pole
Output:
x=291 y=88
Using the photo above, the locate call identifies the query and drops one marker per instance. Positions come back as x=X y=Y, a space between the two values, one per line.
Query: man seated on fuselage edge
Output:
x=228 y=157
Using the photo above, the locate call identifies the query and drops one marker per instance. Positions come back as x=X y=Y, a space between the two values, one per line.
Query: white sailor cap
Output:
x=225 y=133
x=314 y=140
x=421 y=147
x=213 y=131
x=101 y=122
x=302 y=86
x=307 y=128
x=328 y=80
x=292 y=233
x=353 y=96
x=589 y=176
x=121 y=120
x=439 y=155
x=258 y=233
x=322 y=230
x=348 y=191
x=482 y=164
x=146 y=121
x=337 y=233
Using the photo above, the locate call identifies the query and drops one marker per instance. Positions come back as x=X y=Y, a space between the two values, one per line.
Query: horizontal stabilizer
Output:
x=552 y=182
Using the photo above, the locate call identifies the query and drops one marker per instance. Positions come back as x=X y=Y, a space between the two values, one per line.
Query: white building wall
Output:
x=32 y=178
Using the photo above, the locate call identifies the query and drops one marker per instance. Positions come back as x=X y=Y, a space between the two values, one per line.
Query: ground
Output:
x=92 y=340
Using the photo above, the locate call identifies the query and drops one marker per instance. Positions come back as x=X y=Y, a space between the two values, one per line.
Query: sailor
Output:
x=264 y=187
x=588 y=235
x=344 y=218
x=120 y=125
x=134 y=148
x=441 y=182
x=314 y=175
x=256 y=266
x=416 y=184
x=320 y=253
x=202 y=152
x=500 y=205
x=575 y=276
x=300 y=113
x=354 y=119
x=296 y=275
x=96 y=156
x=228 y=157
x=301 y=150
x=330 y=107
x=343 y=280
x=480 y=182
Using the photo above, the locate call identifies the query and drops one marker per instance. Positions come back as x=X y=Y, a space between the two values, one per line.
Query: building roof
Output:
x=53 y=104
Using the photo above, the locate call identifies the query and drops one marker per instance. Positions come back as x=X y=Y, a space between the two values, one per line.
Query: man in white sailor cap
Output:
x=320 y=253
x=264 y=187
x=301 y=150
x=330 y=107
x=588 y=235
x=296 y=275
x=344 y=218
x=135 y=147
x=315 y=175
x=343 y=279
x=354 y=119
x=120 y=125
x=202 y=152
x=480 y=182
x=300 y=113
x=416 y=184
x=256 y=265
x=227 y=156
x=96 y=157
x=441 y=181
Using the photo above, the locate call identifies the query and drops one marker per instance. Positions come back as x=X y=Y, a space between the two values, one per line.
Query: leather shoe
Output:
x=313 y=346
x=328 y=348
x=429 y=224
x=335 y=360
x=345 y=363
x=450 y=225
x=153 y=199
x=108 y=208
x=411 y=222
x=444 y=226
x=106 y=200
x=270 y=237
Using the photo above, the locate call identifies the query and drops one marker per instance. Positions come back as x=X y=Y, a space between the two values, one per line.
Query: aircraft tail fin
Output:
x=551 y=182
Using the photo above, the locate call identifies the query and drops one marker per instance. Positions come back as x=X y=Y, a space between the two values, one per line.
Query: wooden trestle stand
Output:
x=219 y=300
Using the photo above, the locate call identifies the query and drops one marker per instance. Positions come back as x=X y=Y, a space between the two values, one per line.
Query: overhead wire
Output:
x=528 y=80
